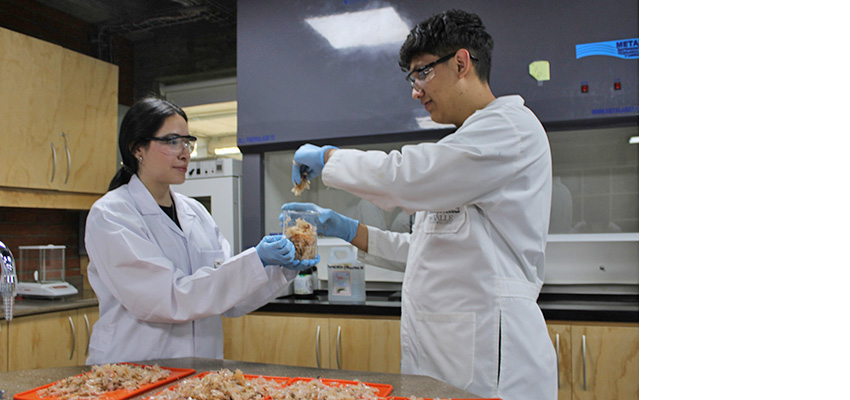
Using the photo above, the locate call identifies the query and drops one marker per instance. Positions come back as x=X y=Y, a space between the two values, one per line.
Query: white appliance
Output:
x=216 y=184
x=377 y=278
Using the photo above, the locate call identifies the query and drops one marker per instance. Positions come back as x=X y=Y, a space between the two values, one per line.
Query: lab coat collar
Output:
x=148 y=206
x=513 y=99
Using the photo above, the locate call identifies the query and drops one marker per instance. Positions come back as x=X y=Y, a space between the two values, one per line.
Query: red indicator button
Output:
x=584 y=88
x=617 y=86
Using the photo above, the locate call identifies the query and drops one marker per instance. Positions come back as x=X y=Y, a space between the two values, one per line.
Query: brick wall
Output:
x=33 y=226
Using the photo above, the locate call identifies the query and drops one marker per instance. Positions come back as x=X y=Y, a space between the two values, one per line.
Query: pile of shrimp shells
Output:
x=105 y=378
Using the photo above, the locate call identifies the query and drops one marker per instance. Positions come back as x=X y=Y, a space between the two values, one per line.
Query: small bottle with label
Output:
x=303 y=285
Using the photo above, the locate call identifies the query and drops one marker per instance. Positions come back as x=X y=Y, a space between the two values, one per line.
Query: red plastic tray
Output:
x=383 y=389
x=283 y=380
x=428 y=398
x=176 y=373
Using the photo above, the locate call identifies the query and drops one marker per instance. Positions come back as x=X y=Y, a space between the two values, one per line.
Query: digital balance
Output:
x=41 y=272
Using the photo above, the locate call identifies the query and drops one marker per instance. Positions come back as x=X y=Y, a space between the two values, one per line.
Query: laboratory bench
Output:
x=334 y=340
x=555 y=306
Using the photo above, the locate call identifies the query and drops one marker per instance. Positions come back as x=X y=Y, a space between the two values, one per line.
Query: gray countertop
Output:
x=403 y=385
x=555 y=307
x=32 y=306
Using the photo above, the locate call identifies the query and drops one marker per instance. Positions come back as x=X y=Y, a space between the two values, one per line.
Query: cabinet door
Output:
x=560 y=335
x=43 y=341
x=276 y=339
x=86 y=318
x=4 y=345
x=29 y=97
x=88 y=134
x=366 y=344
x=604 y=362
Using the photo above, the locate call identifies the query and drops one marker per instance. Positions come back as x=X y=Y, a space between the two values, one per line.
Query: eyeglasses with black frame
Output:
x=421 y=74
x=176 y=143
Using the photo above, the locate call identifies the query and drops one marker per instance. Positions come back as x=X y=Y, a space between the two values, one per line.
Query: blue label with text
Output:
x=256 y=139
x=615 y=110
x=626 y=49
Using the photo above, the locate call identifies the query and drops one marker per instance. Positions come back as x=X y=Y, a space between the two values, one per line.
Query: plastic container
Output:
x=346 y=277
x=303 y=285
x=300 y=228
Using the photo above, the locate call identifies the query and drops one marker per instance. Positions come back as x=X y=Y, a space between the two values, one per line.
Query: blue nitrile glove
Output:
x=331 y=223
x=309 y=160
x=275 y=250
x=300 y=265
x=278 y=250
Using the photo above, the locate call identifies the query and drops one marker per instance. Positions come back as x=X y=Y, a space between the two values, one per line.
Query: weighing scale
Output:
x=41 y=272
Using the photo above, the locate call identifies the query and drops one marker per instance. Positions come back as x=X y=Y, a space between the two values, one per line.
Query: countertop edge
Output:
x=619 y=313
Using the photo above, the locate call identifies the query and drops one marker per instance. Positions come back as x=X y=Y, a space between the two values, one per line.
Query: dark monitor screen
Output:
x=294 y=85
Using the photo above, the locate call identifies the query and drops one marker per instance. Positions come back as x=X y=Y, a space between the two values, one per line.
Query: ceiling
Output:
x=139 y=19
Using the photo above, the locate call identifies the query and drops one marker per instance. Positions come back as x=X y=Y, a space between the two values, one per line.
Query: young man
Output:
x=474 y=263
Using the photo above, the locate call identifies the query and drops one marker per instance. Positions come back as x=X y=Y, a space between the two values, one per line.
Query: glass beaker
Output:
x=300 y=228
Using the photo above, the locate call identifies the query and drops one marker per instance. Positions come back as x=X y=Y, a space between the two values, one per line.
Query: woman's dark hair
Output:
x=140 y=124
x=446 y=33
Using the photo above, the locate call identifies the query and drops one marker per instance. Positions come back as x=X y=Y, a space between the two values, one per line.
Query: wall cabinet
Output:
x=596 y=361
x=362 y=344
x=56 y=339
x=59 y=110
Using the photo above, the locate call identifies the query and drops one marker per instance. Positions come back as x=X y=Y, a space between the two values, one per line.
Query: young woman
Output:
x=161 y=269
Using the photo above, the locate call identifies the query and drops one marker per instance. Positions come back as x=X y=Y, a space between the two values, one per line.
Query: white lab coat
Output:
x=475 y=259
x=162 y=290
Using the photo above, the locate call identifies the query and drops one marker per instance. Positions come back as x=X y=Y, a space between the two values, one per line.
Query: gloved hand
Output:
x=331 y=223
x=309 y=160
x=278 y=250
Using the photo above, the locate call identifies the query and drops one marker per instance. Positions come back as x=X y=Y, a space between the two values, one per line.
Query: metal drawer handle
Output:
x=584 y=361
x=53 y=174
x=338 y=332
x=88 y=334
x=558 y=353
x=73 y=338
x=318 y=329
x=68 y=152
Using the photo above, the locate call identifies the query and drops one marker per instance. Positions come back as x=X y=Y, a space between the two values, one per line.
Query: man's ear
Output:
x=464 y=63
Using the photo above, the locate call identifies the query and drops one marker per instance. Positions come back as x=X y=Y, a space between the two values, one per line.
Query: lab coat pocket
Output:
x=212 y=258
x=444 y=221
x=448 y=346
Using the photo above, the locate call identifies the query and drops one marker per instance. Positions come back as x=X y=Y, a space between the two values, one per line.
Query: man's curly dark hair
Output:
x=446 y=33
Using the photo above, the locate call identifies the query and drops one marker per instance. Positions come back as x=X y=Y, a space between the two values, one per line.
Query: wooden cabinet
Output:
x=604 y=362
x=363 y=344
x=596 y=361
x=59 y=110
x=560 y=335
x=29 y=103
x=43 y=341
x=4 y=346
x=56 y=339
x=87 y=317
x=89 y=118
x=366 y=344
x=277 y=339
